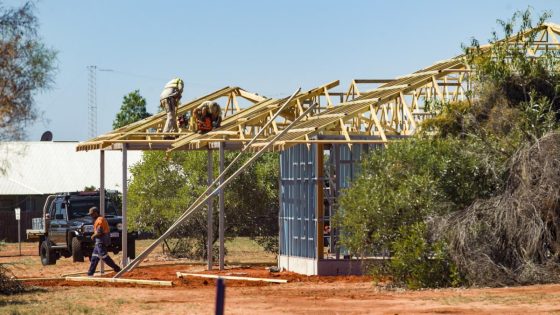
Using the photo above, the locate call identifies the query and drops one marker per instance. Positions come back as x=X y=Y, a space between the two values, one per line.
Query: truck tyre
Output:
x=77 y=253
x=48 y=256
x=131 y=248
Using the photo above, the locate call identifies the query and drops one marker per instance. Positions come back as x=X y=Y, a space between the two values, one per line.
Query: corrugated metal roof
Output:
x=48 y=167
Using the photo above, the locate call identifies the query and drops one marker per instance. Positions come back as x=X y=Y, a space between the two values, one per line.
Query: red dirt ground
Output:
x=168 y=273
x=301 y=295
x=314 y=294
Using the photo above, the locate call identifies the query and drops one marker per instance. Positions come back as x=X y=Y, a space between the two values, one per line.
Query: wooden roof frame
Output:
x=393 y=108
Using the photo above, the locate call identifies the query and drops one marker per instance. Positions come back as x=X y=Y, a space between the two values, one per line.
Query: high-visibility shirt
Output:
x=176 y=84
x=172 y=88
x=204 y=124
x=101 y=226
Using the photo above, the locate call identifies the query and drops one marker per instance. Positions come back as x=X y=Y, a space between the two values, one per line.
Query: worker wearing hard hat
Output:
x=169 y=99
x=102 y=240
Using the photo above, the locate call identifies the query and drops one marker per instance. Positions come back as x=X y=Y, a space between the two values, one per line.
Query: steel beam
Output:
x=124 y=206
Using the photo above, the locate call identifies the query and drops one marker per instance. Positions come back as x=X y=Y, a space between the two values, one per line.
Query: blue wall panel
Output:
x=298 y=224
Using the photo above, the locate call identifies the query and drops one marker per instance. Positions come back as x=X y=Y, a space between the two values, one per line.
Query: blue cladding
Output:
x=298 y=224
x=349 y=163
x=298 y=185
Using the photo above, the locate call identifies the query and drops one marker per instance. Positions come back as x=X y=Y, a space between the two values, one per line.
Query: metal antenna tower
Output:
x=92 y=101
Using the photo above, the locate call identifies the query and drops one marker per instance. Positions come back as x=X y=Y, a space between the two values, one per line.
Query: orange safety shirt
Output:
x=101 y=226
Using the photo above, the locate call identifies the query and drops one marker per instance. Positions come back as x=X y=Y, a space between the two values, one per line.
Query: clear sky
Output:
x=268 y=47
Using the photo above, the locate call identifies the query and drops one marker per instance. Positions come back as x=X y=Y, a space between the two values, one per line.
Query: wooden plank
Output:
x=201 y=275
x=394 y=87
x=122 y=280
x=222 y=132
x=250 y=96
x=372 y=81
x=310 y=129
x=326 y=116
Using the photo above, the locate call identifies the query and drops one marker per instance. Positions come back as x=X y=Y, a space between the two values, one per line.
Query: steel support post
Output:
x=124 y=206
x=102 y=195
x=221 y=227
x=210 y=205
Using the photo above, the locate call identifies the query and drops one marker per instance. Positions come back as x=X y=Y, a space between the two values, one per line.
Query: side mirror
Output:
x=59 y=216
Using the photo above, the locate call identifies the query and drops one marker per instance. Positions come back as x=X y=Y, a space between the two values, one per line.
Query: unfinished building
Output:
x=321 y=135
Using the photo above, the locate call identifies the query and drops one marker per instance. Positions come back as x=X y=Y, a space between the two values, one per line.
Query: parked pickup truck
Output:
x=65 y=229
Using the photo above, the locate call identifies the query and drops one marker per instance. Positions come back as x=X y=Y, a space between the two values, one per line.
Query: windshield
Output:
x=80 y=208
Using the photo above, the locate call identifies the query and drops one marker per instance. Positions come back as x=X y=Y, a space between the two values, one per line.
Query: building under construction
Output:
x=321 y=135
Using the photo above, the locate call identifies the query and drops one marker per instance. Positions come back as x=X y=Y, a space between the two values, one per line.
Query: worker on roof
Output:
x=216 y=115
x=204 y=121
x=169 y=100
x=102 y=240
x=193 y=121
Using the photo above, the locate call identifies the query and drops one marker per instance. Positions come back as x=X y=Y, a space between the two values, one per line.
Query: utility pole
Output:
x=92 y=101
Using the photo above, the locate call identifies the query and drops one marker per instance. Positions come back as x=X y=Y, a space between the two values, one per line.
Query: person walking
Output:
x=169 y=100
x=102 y=240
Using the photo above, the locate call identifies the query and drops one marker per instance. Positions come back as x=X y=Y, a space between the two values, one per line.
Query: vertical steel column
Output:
x=320 y=201
x=124 y=206
x=282 y=222
x=209 y=204
x=338 y=182
x=102 y=195
x=222 y=209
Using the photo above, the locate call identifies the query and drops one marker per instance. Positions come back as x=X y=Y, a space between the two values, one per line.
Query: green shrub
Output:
x=403 y=188
x=409 y=182
x=418 y=262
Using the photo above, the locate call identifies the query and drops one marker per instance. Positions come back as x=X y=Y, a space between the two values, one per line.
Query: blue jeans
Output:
x=100 y=252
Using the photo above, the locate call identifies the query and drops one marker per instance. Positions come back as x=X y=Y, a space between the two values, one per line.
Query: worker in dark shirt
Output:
x=216 y=115
x=102 y=241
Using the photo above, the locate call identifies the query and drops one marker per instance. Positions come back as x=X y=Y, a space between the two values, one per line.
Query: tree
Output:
x=133 y=109
x=26 y=67
x=162 y=189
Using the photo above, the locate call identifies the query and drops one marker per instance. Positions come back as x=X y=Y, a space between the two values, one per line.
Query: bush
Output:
x=163 y=187
x=8 y=285
x=409 y=182
x=418 y=262
x=476 y=189
x=398 y=199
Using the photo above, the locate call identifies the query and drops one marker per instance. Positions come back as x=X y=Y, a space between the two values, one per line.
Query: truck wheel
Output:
x=131 y=250
x=77 y=254
x=48 y=256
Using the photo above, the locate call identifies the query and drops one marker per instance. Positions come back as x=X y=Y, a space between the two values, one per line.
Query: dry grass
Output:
x=514 y=238
x=240 y=251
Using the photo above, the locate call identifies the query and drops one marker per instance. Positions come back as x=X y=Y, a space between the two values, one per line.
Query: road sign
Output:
x=18 y=213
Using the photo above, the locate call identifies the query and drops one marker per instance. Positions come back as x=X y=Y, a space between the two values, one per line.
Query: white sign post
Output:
x=18 y=218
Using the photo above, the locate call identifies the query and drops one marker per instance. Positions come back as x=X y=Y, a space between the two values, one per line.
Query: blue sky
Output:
x=269 y=47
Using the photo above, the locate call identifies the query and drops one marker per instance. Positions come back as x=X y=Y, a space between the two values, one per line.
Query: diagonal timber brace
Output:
x=206 y=195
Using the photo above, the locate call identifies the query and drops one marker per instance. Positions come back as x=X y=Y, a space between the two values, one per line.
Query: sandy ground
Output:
x=301 y=295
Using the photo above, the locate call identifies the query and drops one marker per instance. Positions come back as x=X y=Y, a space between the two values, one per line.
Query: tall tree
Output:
x=26 y=67
x=133 y=109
